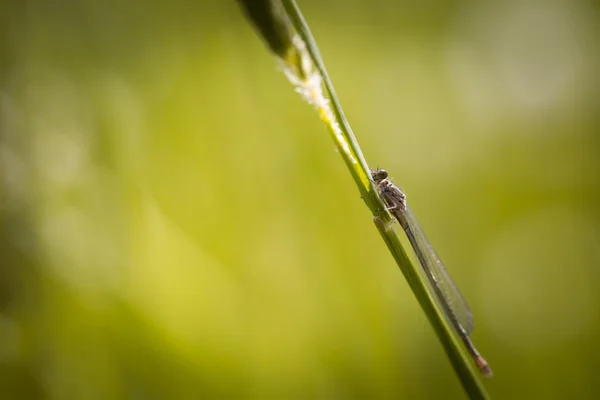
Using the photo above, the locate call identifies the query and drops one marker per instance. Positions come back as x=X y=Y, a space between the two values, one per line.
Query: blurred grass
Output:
x=130 y=130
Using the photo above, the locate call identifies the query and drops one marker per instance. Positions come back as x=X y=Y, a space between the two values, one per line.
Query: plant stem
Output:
x=305 y=68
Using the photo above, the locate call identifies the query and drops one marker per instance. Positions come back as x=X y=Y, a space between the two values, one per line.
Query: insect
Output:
x=445 y=291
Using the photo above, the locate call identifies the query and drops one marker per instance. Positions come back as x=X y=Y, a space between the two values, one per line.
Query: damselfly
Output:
x=445 y=291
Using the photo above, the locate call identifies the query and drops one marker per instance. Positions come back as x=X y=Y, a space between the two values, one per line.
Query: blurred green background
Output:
x=175 y=222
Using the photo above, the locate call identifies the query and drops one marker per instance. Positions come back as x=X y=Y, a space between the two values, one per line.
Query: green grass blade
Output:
x=304 y=66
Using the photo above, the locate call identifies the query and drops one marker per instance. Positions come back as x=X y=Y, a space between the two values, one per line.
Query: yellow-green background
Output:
x=177 y=225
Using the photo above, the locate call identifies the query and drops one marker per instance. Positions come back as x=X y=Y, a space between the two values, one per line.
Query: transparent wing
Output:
x=437 y=273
